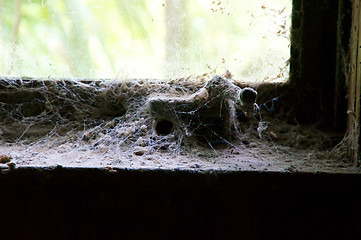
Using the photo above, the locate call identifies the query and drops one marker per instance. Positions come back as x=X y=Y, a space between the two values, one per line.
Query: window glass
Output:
x=145 y=38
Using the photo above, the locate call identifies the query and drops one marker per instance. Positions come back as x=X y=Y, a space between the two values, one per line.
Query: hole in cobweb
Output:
x=163 y=127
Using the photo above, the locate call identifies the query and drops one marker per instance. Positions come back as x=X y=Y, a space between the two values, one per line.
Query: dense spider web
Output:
x=117 y=123
x=110 y=115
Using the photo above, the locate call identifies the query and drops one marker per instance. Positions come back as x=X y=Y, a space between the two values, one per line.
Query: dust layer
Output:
x=109 y=124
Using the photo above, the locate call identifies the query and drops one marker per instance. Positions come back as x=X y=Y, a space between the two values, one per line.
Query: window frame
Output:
x=316 y=90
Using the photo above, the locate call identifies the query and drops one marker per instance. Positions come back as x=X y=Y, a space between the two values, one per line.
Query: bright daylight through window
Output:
x=143 y=83
x=155 y=39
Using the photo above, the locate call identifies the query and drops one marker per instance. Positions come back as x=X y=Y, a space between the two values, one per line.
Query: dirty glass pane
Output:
x=145 y=38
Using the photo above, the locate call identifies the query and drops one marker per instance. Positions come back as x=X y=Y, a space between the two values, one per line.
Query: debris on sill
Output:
x=204 y=124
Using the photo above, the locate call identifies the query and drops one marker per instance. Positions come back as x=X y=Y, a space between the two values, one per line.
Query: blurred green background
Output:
x=144 y=38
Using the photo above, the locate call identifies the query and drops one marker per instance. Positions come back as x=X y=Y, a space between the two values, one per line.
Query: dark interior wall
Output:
x=319 y=44
x=132 y=204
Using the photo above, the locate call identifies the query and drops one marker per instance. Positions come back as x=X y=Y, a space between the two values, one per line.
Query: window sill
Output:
x=53 y=123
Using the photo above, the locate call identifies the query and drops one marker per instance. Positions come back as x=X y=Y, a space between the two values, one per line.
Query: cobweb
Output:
x=119 y=117
x=202 y=122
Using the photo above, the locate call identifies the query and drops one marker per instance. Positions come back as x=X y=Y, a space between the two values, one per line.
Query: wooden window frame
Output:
x=324 y=68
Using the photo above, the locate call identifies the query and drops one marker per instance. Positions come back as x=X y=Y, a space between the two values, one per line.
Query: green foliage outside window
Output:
x=144 y=38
